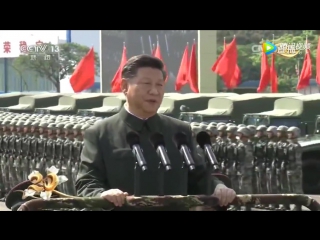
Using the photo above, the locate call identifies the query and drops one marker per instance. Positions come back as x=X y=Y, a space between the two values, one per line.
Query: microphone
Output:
x=133 y=140
x=157 y=141
x=180 y=140
x=203 y=139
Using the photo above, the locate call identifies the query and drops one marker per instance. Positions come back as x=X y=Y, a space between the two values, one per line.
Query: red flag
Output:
x=226 y=63
x=306 y=72
x=183 y=70
x=273 y=75
x=265 y=73
x=318 y=62
x=83 y=76
x=237 y=73
x=157 y=54
x=192 y=70
x=117 y=79
x=236 y=77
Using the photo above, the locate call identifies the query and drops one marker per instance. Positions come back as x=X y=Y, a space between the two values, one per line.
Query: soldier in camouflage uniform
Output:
x=281 y=162
x=40 y=158
x=222 y=142
x=2 y=188
x=195 y=130
x=26 y=149
x=12 y=154
x=294 y=164
x=18 y=152
x=34 y=144
x=213 y=132
x=231 y=156
x=203 y=126
x=271 y=162
x=259 y=152
x=50 y=146
x=76 y=152
x=230 y=151
x=66 y=158
x=244 y=162
x=5 y=153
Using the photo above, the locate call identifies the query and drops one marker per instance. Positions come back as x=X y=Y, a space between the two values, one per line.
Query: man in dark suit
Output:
x=107 y=162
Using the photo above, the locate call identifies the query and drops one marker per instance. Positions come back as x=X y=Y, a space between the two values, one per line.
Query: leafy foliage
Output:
x=58 y=66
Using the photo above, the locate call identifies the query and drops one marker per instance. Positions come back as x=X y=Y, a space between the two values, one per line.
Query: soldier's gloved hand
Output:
x=224 y=194
x=116 y=196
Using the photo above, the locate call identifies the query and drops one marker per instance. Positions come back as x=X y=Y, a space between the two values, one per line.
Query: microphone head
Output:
x=203 y=138
x=132 y=138
x=180 y=139
x=157 y=139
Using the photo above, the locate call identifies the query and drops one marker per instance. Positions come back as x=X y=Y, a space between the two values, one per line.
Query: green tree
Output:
x=286 y=67
x=58 y=66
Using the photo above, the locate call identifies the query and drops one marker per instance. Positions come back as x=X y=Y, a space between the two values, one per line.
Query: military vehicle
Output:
x=10 y=99
x=231 y=109
x=71 y=104
x=110 y=106
x=175 y=104
x=291 y=111
x=27 y=104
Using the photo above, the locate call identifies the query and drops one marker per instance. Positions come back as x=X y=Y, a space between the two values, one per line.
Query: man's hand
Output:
x=116 y=196
x=226 y=195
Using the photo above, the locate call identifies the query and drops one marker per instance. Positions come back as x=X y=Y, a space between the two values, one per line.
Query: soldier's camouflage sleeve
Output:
x=197 y=178
x=91 y=180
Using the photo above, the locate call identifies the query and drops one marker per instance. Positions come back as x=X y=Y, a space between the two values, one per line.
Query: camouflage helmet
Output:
x=222 y=127
x=35 y=124
x=220 y=124
x=261 y=128
x=77 y=127
x=213 y=124
x=85 y=126
x=245 y=131
x=43 y=124
x=20 y=123
x=6 y=122
x=213 y=131
x=295 y=130
x=272 y=129
x=232 y=129
x=252 y=128
x=27 y=123
x=68 y=126
x=52 y=125
x=203 y=126
x=13 y=122
x=282 y=128
x=196 y=129
x=241 y=125
x=60 y=125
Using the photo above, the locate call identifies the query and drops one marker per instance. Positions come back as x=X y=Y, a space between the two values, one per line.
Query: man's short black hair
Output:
x=132 y=66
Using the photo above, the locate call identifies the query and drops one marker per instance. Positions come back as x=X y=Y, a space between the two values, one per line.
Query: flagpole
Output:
x=310 y=91
x=272 y=63
x=59 y=67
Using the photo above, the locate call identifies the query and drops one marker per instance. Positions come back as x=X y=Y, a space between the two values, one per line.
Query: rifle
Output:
x=187 y=202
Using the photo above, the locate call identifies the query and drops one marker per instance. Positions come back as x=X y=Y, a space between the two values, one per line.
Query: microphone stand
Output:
x=137 y=177
x=184 y=178
x=211 y=167
x=161 y=171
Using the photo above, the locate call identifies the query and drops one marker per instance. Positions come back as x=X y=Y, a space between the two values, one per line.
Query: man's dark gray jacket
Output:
x=107 y=161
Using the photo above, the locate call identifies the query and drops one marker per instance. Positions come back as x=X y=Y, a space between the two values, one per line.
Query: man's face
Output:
x=145 y=91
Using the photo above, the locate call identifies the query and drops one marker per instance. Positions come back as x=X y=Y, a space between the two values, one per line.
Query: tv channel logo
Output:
x=269 y=48
x=287 y=50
